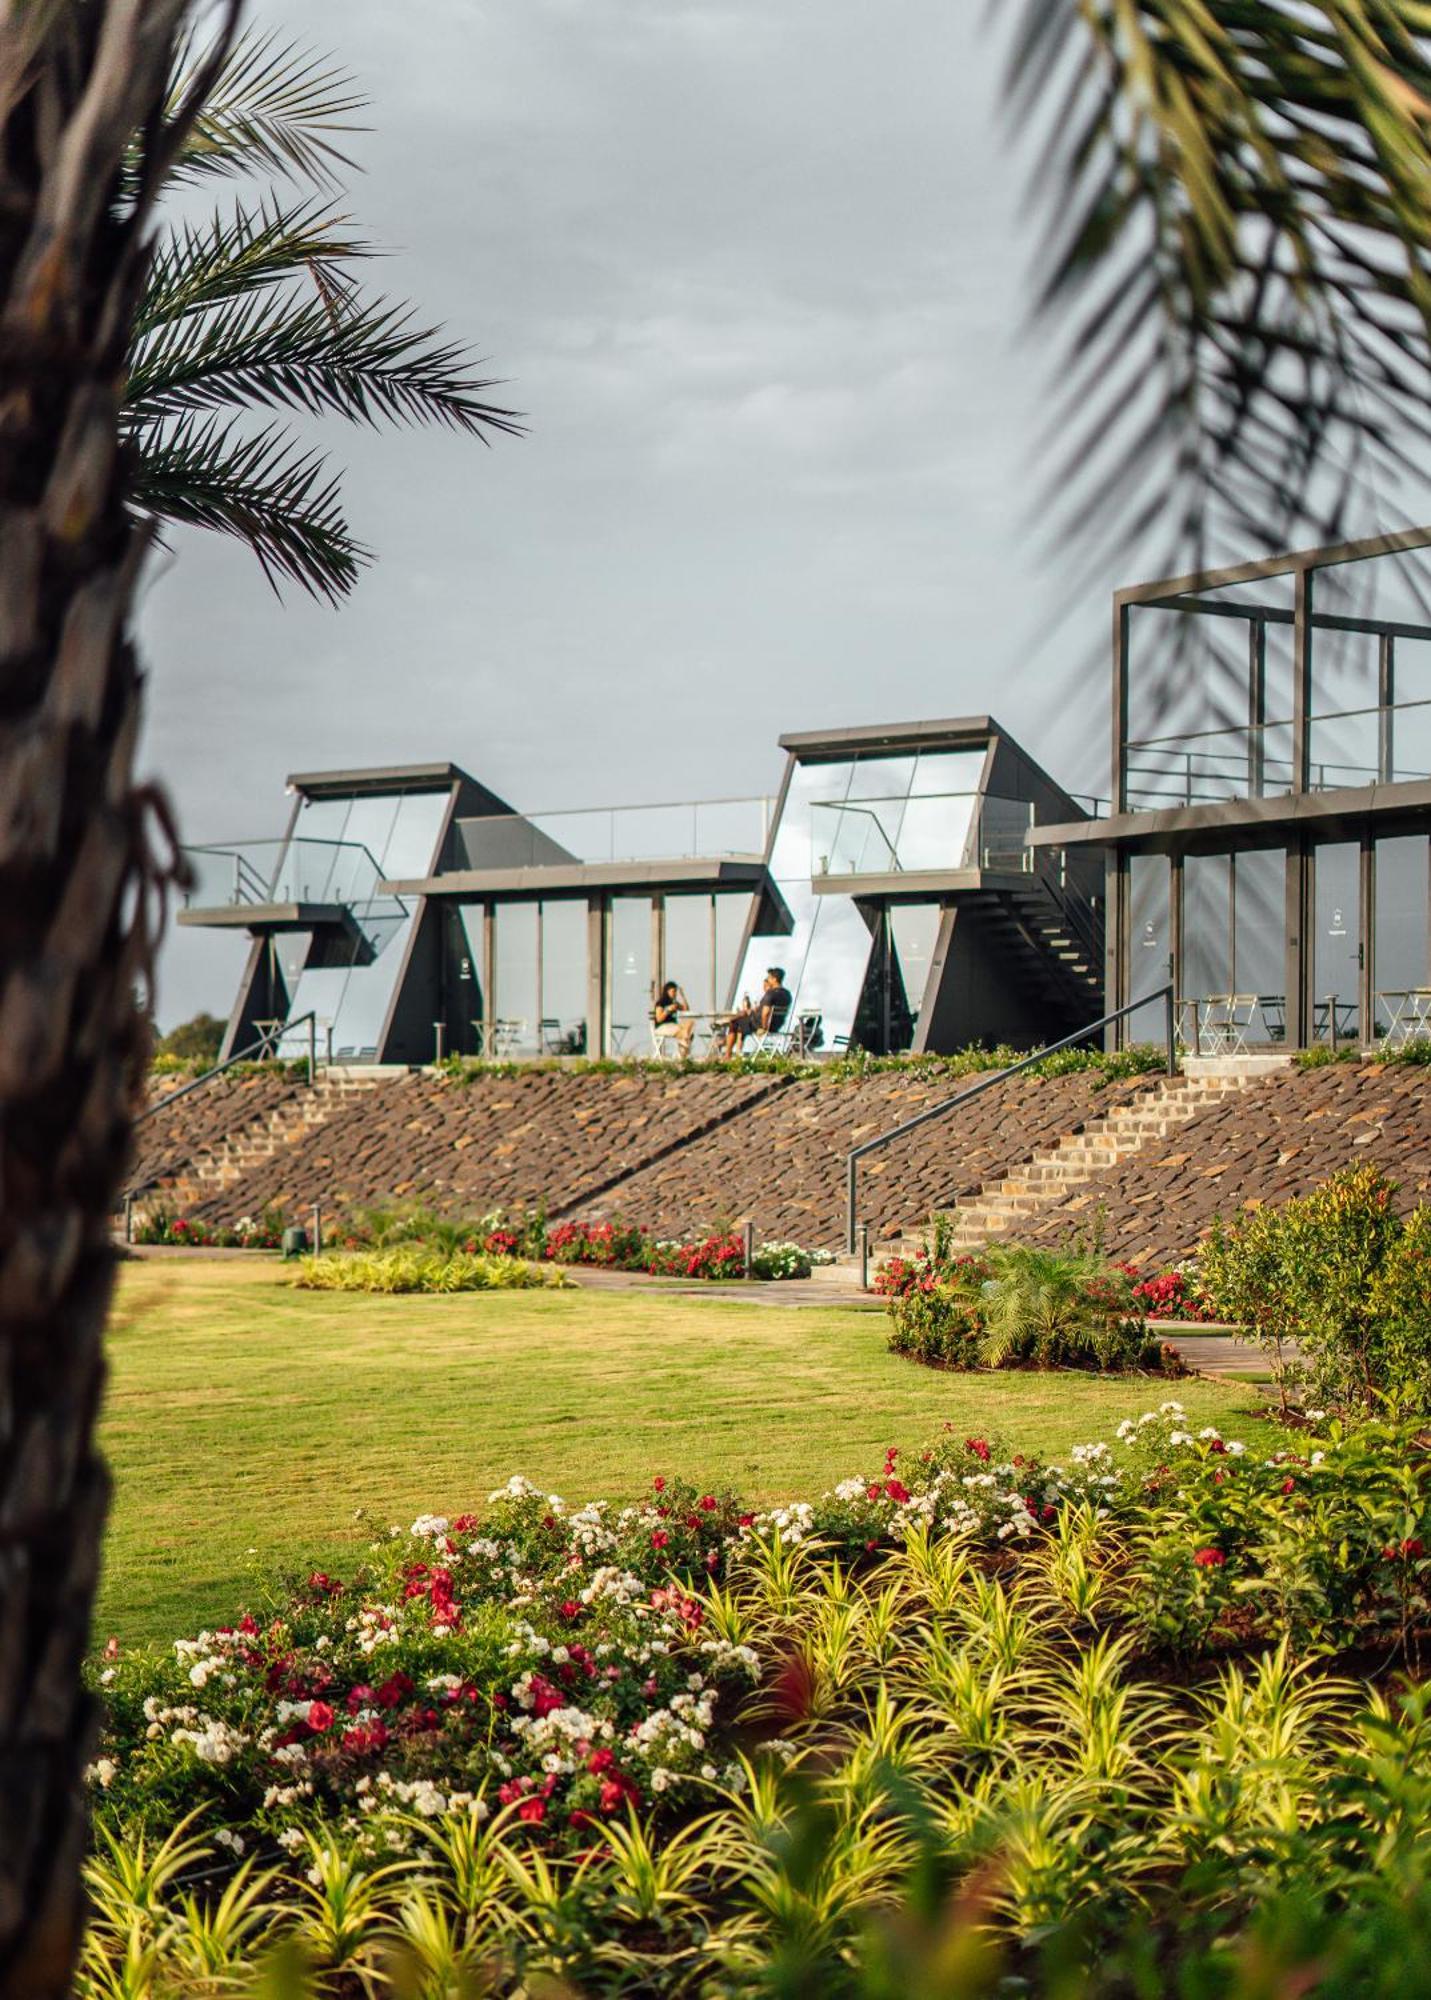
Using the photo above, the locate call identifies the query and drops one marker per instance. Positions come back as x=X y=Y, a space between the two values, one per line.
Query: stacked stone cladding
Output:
x=510 y=1141
x=171 y=1142
x=1282 y=1136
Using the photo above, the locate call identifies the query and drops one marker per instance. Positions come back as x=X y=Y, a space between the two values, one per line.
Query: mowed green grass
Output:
x=247 y=1423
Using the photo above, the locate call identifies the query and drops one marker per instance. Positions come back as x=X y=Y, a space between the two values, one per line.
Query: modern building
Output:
x=1268 y=846
x=413 y=913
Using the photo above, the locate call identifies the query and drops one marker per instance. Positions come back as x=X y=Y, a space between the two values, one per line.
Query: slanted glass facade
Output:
x=874 y=815
x=341 y=849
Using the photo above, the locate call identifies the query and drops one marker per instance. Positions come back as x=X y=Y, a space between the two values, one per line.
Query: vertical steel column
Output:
x=1116 y=967
x=489 y=975
x=1256 y=706
x=1366 y=940
x=1118 y=775
x=598 y=1028
x=1302 y=635
x=1385 y=709
x=1175 y=939
x=1117 y=973
x=1297 y=972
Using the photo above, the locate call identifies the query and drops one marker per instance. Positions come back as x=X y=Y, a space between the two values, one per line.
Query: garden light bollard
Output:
x=317 y=1228
x=864 y=1236
x=749 y=1245
x=439 y=1028
x=312 y=1050
x=129 y=1218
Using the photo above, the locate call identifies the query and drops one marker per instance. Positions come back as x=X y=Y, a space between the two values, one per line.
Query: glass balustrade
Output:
x=912 y=834
x=289 y=871
x=706 y=828
x=1345 y=747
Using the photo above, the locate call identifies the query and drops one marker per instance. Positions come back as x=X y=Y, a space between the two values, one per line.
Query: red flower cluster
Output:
x=1209 y=1558
x=1168 y=1295
x=686 y=1609
x=1404 y=1551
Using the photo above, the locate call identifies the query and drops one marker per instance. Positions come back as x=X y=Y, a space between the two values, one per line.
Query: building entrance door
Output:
x=1337 y=959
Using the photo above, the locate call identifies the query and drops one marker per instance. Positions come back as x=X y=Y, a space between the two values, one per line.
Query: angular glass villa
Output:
x=414 y=913
x=923 y=885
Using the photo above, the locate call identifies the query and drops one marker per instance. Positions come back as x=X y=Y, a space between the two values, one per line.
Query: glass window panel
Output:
x=731 y=914
x=1411 y=710
x=936 y=832
x=1151 y=940
x=947 y=771
x=630 y=974
x=411 y=847
x=689 y=958
x=915 y=929
x=319 y=991
x=306 y=870
x=564 y=976
x=514 y=977
x=1207 y=927
x=365 y=837
x=885 y=778
x=1259 y=959
x=1336 y=967
x=467 y=1002
x=1403 y=963
x=826 y=953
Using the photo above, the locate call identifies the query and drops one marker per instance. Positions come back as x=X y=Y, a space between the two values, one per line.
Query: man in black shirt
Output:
x=766 y=1017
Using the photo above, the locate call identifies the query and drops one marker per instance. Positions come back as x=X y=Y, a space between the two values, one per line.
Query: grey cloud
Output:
x=757 y=274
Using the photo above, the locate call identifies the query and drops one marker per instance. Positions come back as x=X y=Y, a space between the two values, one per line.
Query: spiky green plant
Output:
x=257 y=309
x=1236 y=252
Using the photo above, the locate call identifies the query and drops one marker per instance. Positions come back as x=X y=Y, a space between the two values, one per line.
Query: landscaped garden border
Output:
x=1076 y=1684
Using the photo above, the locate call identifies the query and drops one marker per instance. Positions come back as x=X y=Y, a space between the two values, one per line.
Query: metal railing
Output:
x=266 y=1044
x=857 y=1153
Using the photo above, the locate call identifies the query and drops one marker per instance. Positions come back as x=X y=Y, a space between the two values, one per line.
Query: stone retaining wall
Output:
x=1283 y=1136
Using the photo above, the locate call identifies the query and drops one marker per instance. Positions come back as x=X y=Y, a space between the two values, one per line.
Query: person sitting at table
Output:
x=666 y=1022
x=766 y=1017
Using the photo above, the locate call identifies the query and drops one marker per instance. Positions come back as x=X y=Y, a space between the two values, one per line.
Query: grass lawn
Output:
x=247 y=1422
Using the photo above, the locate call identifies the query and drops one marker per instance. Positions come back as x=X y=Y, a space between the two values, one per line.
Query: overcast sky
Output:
x=757 y=274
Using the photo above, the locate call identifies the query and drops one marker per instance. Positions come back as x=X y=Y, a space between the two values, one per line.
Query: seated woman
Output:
x=766 y=1017
x=666 y=1022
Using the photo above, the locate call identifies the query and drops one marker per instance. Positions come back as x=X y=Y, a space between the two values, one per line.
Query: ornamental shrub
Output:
x=408 y=1268
x=1338 y=1272
x=1017 y=1307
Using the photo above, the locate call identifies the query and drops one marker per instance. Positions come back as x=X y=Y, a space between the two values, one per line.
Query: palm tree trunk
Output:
x=79 y=883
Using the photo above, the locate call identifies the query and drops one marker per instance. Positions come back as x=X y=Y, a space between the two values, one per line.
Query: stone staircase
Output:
x=1127 y=1129
x=216 y=1167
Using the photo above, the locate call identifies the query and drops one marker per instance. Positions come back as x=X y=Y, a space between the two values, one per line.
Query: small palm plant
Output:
x=1055 y=1308
x=259 y=309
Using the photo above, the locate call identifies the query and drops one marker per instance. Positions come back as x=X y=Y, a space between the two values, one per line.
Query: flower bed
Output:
x=998 y=1671
x=609 y=1245
x=163 y=1225
x=409 y=1268
x=623 y=1247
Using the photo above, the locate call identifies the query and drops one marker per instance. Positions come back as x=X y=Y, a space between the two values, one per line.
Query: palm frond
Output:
x=362 y=359
x=1238 y=243
x=275 y=107
x=265 y=489
x=194 y=268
